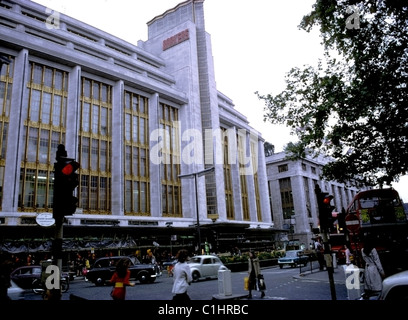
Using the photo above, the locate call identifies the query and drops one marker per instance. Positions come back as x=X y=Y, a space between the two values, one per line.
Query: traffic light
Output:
x=65 y=182
x=341 y=220
x=325 y=209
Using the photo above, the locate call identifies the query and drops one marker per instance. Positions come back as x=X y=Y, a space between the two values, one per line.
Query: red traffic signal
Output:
x=70 y=168
x=327 y=200
x=325 y=209
x=65 y=181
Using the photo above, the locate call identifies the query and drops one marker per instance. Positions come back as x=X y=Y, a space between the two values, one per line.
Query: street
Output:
x=281 y=284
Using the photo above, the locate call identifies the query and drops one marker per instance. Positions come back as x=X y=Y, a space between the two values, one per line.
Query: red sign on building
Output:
x=176 y=39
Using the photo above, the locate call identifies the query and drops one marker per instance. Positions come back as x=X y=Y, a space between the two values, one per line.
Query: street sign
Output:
x=352 y=223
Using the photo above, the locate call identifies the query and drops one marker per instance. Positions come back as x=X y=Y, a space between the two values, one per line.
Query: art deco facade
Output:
x=135 y=117
x=293 y=198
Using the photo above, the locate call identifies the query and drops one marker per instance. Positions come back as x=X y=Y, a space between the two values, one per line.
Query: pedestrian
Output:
x=181 y=277
x=319 y=254
x=373 y=270
x=121 y=279
x=254 y=274
x=348 y=254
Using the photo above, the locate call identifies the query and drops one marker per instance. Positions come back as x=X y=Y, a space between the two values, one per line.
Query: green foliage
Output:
x=244 y=257
x=353 y=106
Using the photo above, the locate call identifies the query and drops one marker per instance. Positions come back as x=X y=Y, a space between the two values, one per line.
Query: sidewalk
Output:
x=339 y=275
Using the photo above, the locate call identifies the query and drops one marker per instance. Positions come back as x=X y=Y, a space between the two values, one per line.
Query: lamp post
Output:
x=195 y=175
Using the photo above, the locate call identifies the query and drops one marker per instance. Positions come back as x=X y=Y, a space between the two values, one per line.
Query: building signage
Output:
x=176 y=39
x=45 y=219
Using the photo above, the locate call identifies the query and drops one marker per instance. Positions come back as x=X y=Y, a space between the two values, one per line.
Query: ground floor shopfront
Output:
x=37 y=242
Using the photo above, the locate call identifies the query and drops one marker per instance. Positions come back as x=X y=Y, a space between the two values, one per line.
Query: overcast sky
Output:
x=254 y=44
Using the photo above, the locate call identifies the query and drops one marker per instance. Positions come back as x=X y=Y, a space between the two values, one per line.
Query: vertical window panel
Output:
x=35 y=105
x=171 y=202
x=47 y=98
x=86 y=109
x=44 y=146
x=41 y=189
x=136 y=161
x=94 y=154
x=95 y=119
x=85 y=154
x=46 y=108
x=95 y=147
x=32 y=145
x=29 y=188
x=57 y=110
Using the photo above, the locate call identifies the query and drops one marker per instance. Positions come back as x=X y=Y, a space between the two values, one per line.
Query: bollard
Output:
x=224 y=283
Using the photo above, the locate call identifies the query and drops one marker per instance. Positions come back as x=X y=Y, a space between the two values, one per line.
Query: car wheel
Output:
x=37 y=286
x=305 y=264
x=99 y=282
x=64 y=285
x=196 y=276
x=143 y=277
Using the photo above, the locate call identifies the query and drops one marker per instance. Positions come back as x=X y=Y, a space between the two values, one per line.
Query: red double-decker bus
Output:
x=378 y=214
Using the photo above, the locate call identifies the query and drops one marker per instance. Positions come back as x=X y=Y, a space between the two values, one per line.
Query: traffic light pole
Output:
x=324 y=211
x=64 y=203
x=329 y=263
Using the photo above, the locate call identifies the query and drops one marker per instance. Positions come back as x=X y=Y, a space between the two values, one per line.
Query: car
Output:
x=102 y=270
x=205 y=267
x=14 y=292
x=293 y=258
x=30 y=277
x=24 y=276
x=395 y=287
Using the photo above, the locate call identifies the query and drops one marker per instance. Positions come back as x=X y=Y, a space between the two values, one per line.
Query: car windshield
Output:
x=292 y=254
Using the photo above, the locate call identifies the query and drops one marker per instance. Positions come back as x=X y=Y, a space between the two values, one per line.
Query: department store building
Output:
x=147 y=125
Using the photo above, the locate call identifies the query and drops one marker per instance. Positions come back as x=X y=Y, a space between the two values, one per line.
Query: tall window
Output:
x=287 y=198
x=44 y=130
x=307 y=196
x=137 y=198
x=6 y=84
x=241 y=142
x=170 y=168
x=256 y=182
x=229 y=200
x=95 y=147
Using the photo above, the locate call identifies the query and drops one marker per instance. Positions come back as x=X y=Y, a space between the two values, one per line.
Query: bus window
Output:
x=378 y=206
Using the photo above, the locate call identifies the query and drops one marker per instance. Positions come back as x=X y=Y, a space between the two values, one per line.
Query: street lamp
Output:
x=195 y=175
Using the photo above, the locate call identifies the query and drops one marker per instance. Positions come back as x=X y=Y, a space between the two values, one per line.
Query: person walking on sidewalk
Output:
x=182 y=277
x=254 y=272
x=373 y=270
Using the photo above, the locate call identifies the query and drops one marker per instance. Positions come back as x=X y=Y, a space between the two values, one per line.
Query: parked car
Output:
x=103 y=269
x=395 y=287
x=29 y=277
x=15 y=292
x=24 y=276
x=205 y=266
x=293 y=258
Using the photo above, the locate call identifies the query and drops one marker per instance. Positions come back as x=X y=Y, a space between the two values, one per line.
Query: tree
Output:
x=269 y=149
x=352 y=107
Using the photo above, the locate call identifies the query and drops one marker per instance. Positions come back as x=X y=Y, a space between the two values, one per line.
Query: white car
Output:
x=15 y=292
x=395 y=287
x=205 y=267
